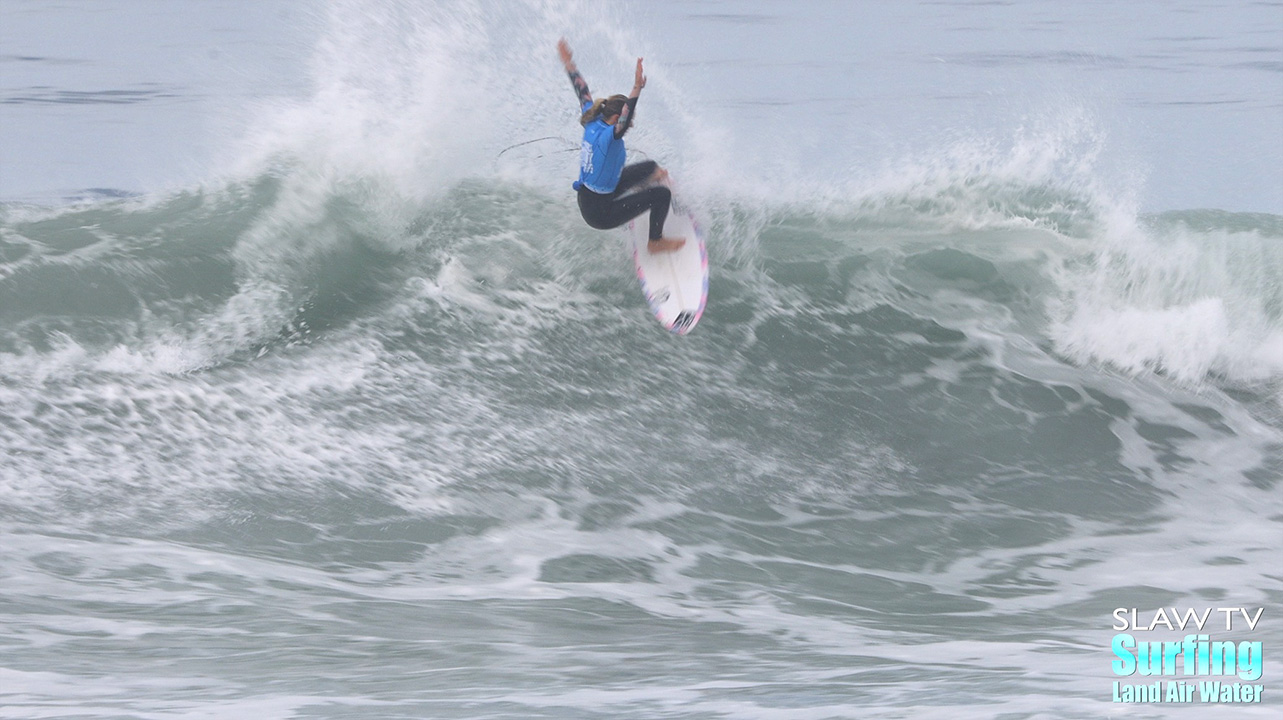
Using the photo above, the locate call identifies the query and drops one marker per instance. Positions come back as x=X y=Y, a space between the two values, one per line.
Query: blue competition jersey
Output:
x=601 y=157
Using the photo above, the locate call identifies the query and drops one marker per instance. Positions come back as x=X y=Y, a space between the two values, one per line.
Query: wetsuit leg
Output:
x=610 y=211
x=635 y=174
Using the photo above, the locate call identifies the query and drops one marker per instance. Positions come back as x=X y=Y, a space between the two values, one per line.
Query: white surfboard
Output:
x=675 y=283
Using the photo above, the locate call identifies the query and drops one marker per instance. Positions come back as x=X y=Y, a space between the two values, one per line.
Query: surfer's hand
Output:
x=639 y=80
x=563 y=49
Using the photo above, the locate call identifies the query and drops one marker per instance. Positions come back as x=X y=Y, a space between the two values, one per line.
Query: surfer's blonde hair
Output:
x=604 y=108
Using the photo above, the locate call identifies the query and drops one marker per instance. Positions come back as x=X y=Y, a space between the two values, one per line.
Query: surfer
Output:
x=603 y=178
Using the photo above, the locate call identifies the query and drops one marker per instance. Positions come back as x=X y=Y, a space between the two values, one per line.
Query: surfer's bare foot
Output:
x=660 y=176
x=665 y=244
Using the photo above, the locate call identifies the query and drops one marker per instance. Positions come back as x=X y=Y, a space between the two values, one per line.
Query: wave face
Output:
x=373 y=415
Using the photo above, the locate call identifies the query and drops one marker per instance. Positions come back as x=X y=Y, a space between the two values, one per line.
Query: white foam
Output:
x=1189 y=303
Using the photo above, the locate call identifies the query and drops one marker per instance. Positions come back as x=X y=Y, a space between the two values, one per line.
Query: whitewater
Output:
x=318 y=399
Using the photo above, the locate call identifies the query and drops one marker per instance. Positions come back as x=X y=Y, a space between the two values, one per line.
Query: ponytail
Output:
x=592 y=113
x=612 y=105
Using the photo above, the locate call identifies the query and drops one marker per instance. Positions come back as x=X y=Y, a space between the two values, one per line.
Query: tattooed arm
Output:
x=577 y=80
x=630 y=107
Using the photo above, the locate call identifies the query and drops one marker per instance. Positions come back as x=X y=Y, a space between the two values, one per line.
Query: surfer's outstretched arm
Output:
x=630 y=106
x=577 y=80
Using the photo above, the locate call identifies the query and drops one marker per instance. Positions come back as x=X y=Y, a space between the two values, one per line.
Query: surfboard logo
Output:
x=683 y=321
x=661 y=296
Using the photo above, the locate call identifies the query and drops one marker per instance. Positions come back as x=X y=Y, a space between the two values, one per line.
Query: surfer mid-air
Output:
x=604 y=181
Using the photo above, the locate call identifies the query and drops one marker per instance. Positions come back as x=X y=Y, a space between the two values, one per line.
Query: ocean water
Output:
x=319 y=400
